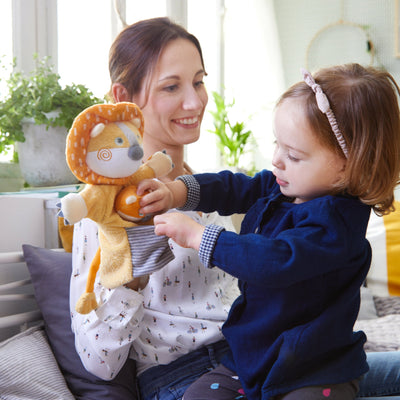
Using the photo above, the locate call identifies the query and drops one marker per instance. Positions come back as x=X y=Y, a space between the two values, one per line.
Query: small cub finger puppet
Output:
x=104 y=150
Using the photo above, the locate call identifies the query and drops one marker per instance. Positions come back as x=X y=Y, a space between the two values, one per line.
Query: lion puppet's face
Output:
x=104 y=145
x=115 y=150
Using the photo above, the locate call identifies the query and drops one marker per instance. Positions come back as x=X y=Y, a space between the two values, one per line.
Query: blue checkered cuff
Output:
x=193 y=195
x=207 y=244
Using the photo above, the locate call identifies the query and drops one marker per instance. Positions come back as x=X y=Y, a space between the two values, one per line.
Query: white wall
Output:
x=299 y=20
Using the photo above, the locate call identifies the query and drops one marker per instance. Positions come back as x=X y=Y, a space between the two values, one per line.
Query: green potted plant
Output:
x=37 y=104
x=233 y=138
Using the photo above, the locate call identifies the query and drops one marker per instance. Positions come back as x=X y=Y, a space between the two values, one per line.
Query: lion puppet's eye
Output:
x=119 y=141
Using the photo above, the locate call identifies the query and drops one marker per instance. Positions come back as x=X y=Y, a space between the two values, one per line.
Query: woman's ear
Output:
x=120 y=93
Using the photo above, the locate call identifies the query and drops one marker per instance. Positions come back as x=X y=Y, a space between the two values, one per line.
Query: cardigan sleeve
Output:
x=311 y=247
x=288 y=244
x=226 y=192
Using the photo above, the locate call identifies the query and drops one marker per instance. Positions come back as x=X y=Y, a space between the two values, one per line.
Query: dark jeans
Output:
x=169 y=382
x=164 y=382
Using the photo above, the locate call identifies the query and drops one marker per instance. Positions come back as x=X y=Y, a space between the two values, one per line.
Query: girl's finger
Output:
x=147 y=185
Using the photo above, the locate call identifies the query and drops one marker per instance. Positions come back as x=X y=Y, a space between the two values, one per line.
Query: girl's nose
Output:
x=277 y=159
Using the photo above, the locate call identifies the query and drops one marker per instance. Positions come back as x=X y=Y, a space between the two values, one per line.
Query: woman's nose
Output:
x=192 y=100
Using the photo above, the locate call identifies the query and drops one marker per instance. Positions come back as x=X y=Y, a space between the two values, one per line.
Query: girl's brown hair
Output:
x=365 y=103
x=135 y=52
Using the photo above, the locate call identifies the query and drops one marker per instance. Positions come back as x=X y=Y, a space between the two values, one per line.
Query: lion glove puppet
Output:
x=104 y=150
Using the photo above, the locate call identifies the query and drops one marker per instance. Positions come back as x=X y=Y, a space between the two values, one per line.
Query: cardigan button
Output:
x=256 y=231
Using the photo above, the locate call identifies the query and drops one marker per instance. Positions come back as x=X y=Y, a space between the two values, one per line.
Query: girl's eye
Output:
x=292 y=158
x=119 y=141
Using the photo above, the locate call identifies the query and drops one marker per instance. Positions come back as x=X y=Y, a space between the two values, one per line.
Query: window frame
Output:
x=34 y=27
x=34 y=31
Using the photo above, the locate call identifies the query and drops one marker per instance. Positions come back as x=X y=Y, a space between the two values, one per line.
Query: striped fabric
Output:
x=149 y=252
x=28 y=369
x=384 y=236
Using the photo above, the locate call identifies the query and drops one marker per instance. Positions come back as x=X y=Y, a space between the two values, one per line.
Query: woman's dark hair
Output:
x=136 y=50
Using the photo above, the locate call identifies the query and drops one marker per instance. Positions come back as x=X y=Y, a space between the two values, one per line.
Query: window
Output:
x=6 y=53
x=203 y=155
x=139 y=9
x=84 y=38
x=6 y=41
x=77 y=35
x=83 y=51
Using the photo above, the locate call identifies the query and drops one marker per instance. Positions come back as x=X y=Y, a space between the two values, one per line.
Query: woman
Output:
x=175 y=320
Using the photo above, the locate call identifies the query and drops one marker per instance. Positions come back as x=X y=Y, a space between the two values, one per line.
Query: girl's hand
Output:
x=158 y=198
x=180 y=228
x=161 y=197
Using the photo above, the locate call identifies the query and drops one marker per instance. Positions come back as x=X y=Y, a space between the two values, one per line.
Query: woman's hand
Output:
x=138 y=283
x=161 y=197
x=180 y=228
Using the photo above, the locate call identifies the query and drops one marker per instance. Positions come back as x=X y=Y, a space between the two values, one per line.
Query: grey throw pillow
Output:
x=50 y=273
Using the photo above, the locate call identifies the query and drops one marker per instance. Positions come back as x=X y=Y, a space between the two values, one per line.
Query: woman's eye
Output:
x=119 y=141
x=171 y=88
x=199 y=83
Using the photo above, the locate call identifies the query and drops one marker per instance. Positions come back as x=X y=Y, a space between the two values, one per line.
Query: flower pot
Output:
x=42 y=156
x=10 y=177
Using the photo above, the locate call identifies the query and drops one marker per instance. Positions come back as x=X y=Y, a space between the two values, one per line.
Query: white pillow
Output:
x=28 y=369
x=383 y=234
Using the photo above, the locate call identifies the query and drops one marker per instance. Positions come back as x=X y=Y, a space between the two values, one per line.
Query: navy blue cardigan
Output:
x=300 y=268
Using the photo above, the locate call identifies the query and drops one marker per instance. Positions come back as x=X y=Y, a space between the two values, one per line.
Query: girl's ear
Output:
x=120 y=93
x=344 y=164
x=341 y=171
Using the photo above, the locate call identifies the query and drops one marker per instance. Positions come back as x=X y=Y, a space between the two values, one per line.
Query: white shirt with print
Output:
x=181 y=309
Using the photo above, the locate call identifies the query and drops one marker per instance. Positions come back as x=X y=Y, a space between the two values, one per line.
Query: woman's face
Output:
x=174 y=97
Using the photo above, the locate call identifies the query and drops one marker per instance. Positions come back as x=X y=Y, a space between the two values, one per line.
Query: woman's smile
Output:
x=190 y=122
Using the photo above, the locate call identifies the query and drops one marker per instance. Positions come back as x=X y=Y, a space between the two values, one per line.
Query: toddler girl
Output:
x=301 y=255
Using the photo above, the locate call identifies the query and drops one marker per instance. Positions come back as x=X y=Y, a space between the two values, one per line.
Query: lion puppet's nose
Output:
x=135 y=152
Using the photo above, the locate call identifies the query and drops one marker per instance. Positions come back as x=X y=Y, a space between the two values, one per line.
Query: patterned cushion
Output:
x=387 y=305
x=383 y=334
x=28 y=369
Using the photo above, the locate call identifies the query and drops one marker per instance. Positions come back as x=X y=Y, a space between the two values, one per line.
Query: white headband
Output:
x=324 y=106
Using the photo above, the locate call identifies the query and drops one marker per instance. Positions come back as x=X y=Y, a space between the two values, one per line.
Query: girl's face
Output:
x=174 y=97
x=304 y=168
